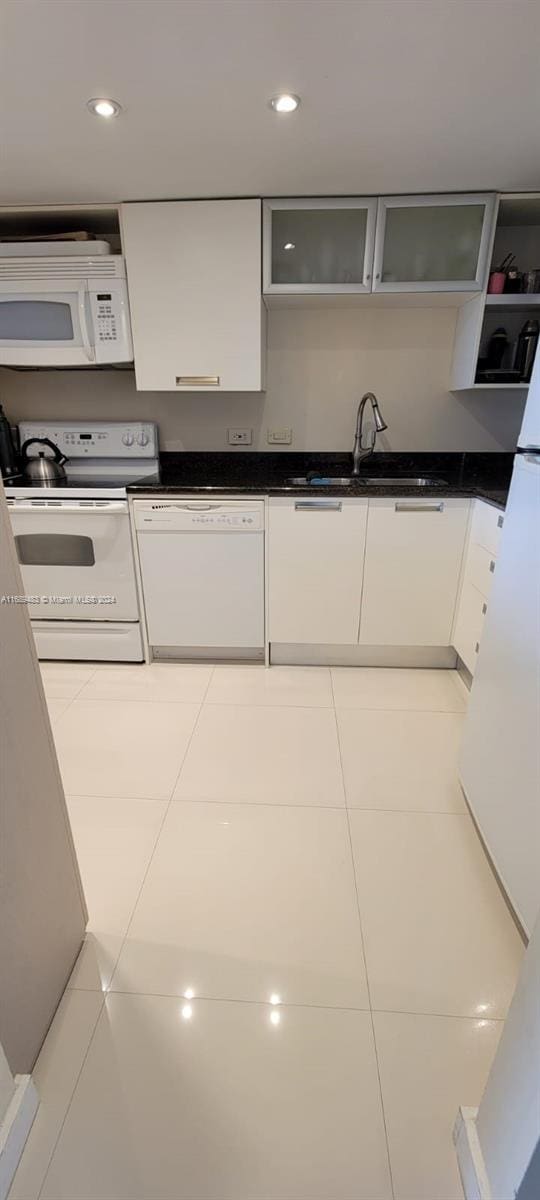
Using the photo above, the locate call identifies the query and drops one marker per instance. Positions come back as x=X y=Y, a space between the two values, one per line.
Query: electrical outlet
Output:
x=280 y=437
x=239 y=437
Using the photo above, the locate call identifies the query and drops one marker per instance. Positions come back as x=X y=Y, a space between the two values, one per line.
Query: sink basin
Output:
x=321 y=481
x=365 y=481
x=399 y=481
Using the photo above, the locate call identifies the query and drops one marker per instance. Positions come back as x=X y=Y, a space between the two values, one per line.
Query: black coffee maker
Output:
x=9 y=466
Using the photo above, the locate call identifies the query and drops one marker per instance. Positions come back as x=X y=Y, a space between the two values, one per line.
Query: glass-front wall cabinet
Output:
x=385 y=244
x=432 y=243
x=318 y=246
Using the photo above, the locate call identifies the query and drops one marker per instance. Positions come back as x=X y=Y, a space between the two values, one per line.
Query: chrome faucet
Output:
x=361 y=452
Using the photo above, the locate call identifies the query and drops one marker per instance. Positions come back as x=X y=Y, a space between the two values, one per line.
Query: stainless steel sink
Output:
x=399 y=481
x=321 y=481
x=364 y=480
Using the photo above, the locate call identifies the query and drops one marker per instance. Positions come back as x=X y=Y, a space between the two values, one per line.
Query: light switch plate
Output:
x=239 y=437
x=280 y=437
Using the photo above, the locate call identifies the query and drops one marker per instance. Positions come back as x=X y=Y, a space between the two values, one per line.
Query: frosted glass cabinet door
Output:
x=432 y=243
x=319 y=246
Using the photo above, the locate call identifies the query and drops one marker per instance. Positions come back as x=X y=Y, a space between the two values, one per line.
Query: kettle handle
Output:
x=57 y=454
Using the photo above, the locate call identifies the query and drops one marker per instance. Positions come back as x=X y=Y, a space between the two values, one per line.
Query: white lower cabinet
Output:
x=469 y=622
x=480 y=565
x=315 y=566
x=413 y=558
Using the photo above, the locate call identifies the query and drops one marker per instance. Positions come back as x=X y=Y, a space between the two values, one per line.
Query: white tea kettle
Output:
x=43 y=469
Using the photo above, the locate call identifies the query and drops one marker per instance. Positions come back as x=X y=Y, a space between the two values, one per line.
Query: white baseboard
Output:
x=471 y=1163
x=15 y=1128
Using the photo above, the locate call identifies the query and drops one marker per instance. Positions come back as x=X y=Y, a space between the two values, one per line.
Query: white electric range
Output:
x=74 y=541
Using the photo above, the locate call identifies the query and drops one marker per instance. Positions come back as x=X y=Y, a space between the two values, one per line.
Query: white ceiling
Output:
x=397 y=96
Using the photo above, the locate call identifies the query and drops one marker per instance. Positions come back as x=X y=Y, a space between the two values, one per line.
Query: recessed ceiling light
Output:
x=102 y=107
x=284 y=103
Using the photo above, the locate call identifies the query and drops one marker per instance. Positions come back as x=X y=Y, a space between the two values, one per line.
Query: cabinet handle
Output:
x=402 y=506
x=500 y=522
x=484 y=609
x=197 y=380
x=318 y=505
x=492 y=566
x=477 y=647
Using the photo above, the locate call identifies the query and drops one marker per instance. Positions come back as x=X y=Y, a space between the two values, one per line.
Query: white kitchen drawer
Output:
x=481 y=566
x=315 y=566
x=414 y=550
x=469 y=625
x=486 y=526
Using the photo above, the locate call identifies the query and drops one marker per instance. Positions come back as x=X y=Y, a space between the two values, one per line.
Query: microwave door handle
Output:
x=88 y=348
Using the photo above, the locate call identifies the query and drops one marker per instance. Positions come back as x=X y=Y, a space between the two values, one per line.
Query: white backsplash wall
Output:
x=320 y=361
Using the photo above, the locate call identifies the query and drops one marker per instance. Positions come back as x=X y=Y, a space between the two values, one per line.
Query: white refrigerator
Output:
x=500 y=759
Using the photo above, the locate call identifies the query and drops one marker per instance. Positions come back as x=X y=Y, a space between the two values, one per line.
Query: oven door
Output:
x=46 y=324
x=76 y=559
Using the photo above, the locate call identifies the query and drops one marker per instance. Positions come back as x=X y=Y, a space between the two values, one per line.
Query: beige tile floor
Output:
x=297 y=962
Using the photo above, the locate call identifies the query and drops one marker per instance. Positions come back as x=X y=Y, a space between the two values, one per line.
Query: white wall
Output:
x=320 y=361
x=508 y=1122
x=7 y=1085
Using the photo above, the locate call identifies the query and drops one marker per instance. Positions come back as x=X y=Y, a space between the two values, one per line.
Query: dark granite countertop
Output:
x=486 y=476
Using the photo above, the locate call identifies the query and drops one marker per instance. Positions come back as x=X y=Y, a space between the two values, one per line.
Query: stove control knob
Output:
x=127 y=438
x=142 y=438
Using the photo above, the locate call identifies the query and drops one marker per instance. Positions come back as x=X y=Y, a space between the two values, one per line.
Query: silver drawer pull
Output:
x=492 y=566
x=318 y=505
x=197 y=380
x=500 y=522
x=484 y=609
x=402 y=506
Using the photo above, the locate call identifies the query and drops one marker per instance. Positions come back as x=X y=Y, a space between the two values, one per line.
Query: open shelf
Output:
x=493 y=387
x=517 y=232
x=512 y=300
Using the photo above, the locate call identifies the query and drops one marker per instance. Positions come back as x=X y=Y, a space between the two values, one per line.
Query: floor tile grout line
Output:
x=70 y=701
x=363 y=945
x=423 y=812
x=158 y=835
x=72 y=1094
x=443 y=712
x=293 y=1004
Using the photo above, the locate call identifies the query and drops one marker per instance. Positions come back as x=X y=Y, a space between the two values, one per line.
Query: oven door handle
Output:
x=110 y=508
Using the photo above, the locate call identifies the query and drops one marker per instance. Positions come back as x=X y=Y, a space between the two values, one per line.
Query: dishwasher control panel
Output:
x=198 y=516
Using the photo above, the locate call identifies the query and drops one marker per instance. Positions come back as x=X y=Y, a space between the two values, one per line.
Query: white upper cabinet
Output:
x=318 y=246
x=433 y=243
x=414 y=550
x=194 y=278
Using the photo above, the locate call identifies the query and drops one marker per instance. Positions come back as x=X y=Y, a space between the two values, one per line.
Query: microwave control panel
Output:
x=106 y=330
x=110 y=321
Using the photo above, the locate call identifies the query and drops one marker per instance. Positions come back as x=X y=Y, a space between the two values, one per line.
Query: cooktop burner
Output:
x=83 y=481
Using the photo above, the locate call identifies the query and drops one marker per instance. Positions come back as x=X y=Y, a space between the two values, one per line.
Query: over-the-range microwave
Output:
x=64 y=311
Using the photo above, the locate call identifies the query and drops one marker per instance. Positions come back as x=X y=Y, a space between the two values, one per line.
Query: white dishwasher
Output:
x=202 y=574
